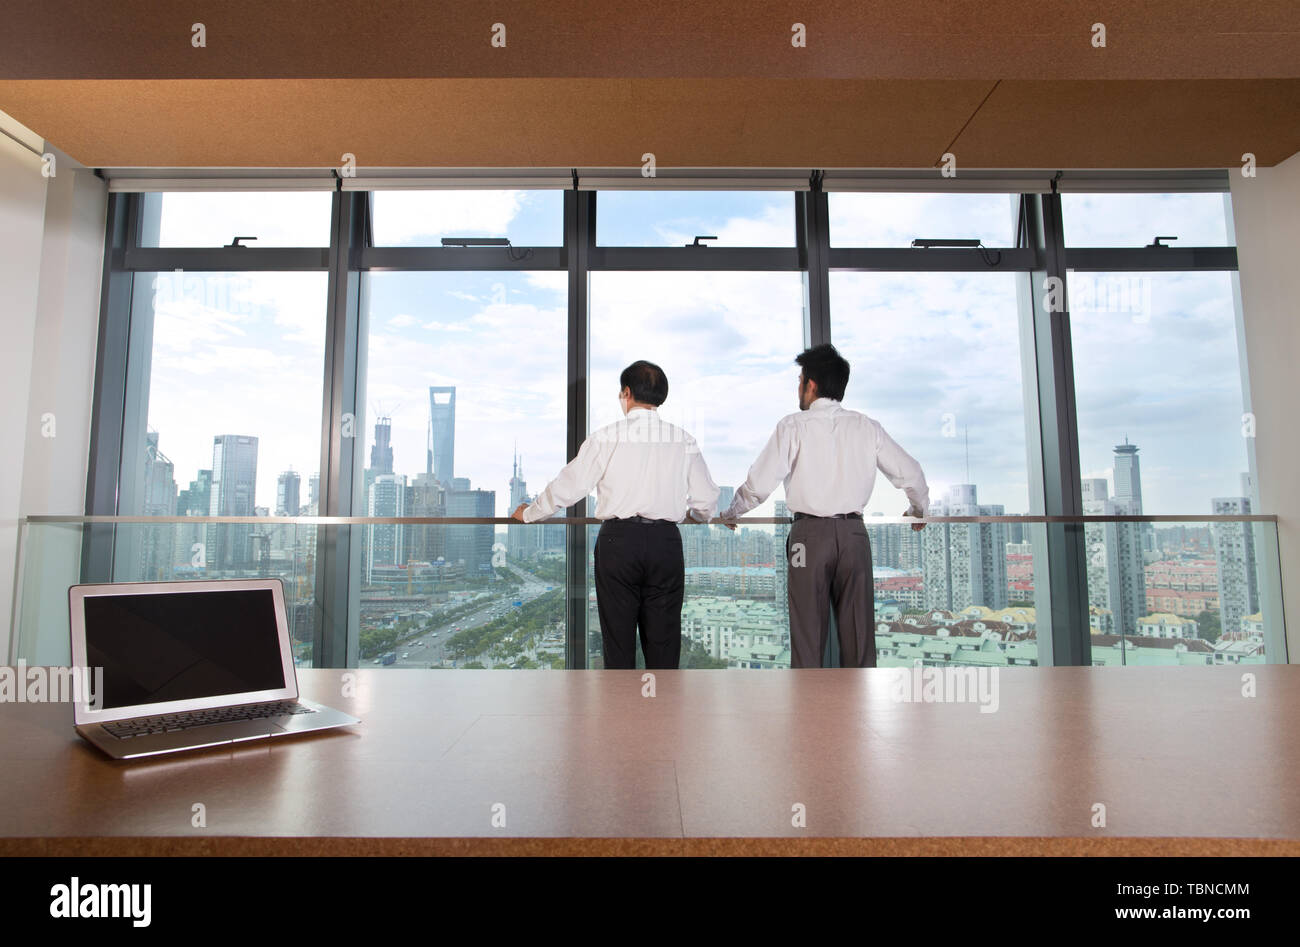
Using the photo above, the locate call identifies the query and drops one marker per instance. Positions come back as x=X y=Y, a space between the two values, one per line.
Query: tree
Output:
x=1208 y=627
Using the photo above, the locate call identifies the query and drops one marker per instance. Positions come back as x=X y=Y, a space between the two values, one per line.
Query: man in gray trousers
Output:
x=827 y=457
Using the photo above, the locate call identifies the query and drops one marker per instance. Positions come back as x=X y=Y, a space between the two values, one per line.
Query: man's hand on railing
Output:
x=916 y=527
x=518 y=514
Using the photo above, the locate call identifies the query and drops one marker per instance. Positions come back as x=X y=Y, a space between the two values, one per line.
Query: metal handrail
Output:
x=43 y=518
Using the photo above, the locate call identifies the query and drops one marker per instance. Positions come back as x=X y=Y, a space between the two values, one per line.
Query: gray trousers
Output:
x=830 y=568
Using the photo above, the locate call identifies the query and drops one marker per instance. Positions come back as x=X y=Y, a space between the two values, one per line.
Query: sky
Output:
x=935 y=357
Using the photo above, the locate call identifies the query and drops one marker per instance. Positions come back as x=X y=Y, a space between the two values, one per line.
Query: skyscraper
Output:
x=234 y=487
x=159 y=500
x=442 y=433
x=425 y=543
x=1234 y=560
x=471 y=545
x=287 y=488
x=522 y=541
x=964 y=564
x=381 y=452
x=1116 y=578
x=781 y=577
x=387 y=545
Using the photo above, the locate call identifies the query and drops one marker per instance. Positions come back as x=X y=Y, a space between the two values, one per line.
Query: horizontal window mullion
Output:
x=1169 y=259
x=702 y=258
x=460 y=258
x=934 y=259
x=225 y=259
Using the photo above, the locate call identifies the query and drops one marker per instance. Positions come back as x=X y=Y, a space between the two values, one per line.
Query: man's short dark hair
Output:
x=647 y=381
x=828 y=368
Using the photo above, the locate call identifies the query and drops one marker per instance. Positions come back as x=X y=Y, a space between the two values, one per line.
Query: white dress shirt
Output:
x=827 y=457
x=640 y=466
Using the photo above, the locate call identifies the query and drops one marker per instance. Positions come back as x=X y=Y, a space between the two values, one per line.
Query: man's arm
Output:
x=771 y=467
x=571 y=484
x=701 y=492
x=903 y=471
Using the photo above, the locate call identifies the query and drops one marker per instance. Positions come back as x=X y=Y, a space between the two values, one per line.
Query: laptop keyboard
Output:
x=171 y=723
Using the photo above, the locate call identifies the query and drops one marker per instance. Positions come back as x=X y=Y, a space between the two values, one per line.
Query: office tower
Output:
x=471 y=545
x=425 y=497
x=460 y=483
x=287 y=487
x=1116 y=578
x=313 y=495
x=381 y=452
x=156 y=542
x=522 y=542
x=387 y=541
x=189 y=540
x=194 y=500
x=442 y=433
x=781 y=564
x=1128 y=476
x=234 y=485
x=964 y=564
x=1234 y=560
x=725 y=497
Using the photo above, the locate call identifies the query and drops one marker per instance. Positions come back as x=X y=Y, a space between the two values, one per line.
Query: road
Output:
x=427 y=650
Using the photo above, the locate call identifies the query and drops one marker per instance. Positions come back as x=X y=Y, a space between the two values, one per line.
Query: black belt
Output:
x=833 y=516
x=638 y=519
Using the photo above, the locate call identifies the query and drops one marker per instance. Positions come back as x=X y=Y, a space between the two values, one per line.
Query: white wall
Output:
x=1266 y=214
x=51 y=265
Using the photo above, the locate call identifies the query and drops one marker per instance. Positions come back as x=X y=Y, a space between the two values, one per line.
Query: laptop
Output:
x=188 y=665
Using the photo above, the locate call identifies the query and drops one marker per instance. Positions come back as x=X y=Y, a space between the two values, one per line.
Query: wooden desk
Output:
x=713 y=763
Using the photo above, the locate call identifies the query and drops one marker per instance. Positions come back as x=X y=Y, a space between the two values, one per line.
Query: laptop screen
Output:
x=157 y=647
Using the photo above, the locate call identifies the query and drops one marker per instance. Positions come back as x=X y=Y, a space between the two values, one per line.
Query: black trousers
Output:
x=640 y=582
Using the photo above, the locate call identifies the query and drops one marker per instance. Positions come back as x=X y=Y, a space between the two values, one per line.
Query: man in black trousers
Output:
x=827 y=457
x=649 y=476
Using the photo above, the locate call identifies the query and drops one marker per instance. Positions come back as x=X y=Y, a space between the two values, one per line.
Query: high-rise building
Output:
x=522 y=542
x=781 y=564
x=1128 y=476
x=313 y=495
x=155 y=542
x=886 y=542
x=387 y=541
x=1116 y=577
x=725 y=496
x=442 y=433
x=189 y=546
x=964 y=564
x=425 y=498
x=287 y=488
x=381 y=452
x=471 y=545
x=234 y=487
x=1234 y=560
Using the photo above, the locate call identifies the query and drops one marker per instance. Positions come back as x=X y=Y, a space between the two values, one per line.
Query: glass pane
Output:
x=727 y=343
x=896 y=219
x=465 y=401
x=676 y=218
x=215 y=218
x=1184 y=594
x=935 y=358
x=209 y=353
x=1135 y=220
x=528 y=218
x=1161 y=423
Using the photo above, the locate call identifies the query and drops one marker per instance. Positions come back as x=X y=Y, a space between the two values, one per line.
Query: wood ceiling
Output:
x=598 y=83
